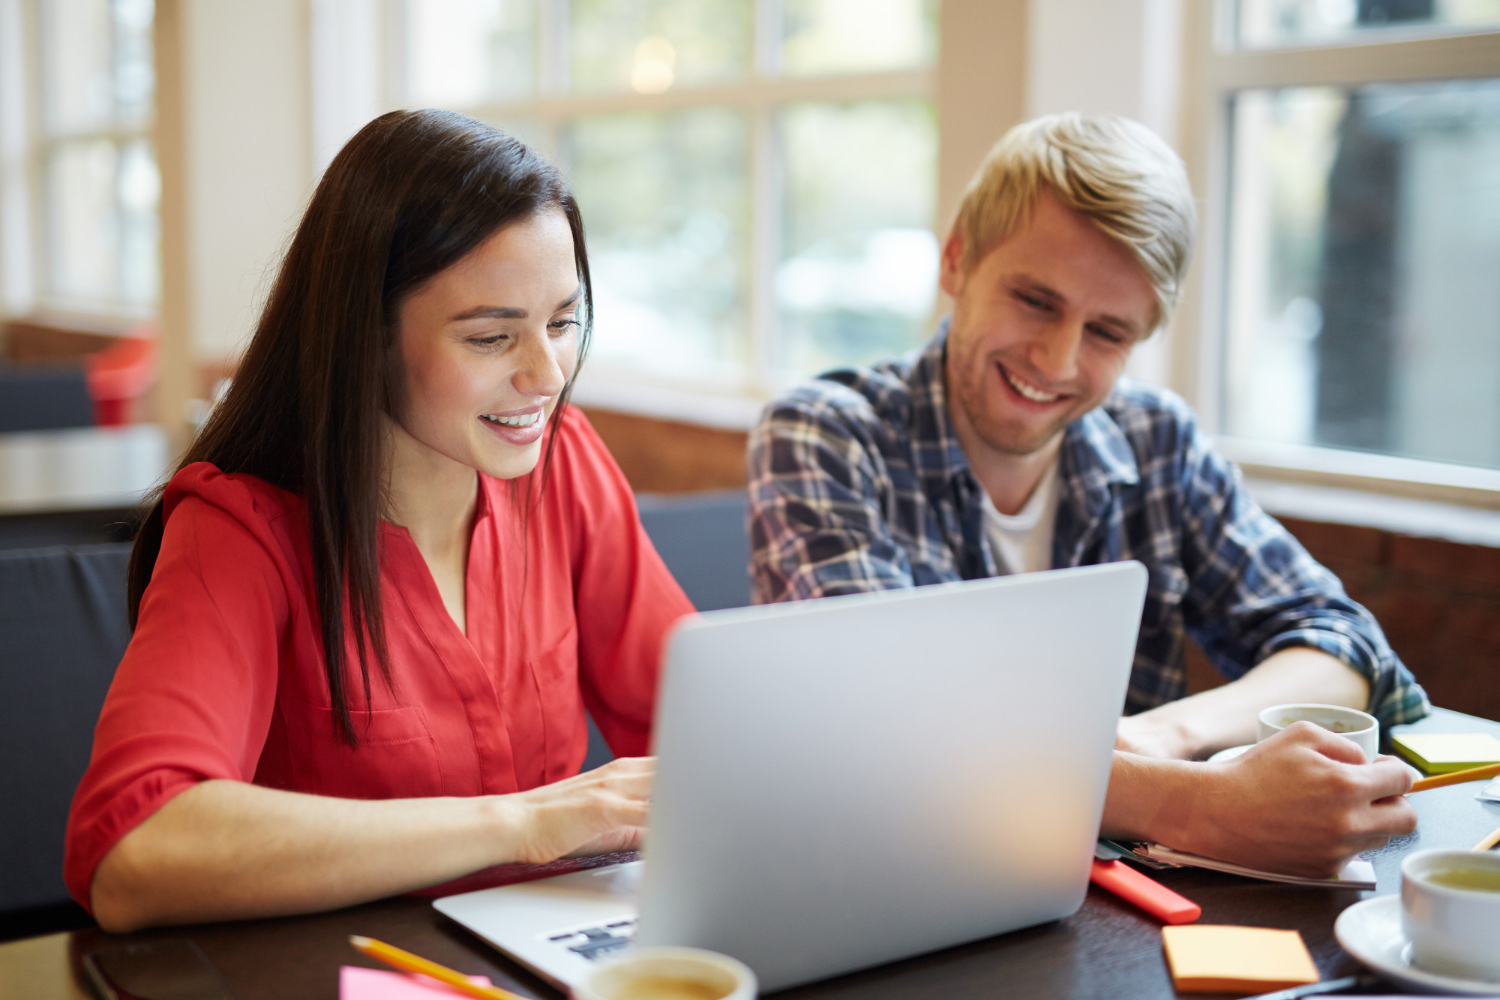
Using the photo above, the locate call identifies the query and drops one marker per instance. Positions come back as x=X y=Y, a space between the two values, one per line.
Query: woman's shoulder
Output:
x=203 y=490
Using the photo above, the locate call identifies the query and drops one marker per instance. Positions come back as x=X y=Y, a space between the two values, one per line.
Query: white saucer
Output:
x=1230 y=753
x=1370 y=930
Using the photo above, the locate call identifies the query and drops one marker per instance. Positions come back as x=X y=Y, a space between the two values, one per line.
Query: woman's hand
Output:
x=597 y=812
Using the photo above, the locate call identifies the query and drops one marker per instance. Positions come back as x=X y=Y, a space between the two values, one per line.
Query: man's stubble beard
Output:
x=995 y=437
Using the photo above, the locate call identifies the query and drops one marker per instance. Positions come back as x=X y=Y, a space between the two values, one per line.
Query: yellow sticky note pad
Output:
x=1440 y=753
x=1214 y=958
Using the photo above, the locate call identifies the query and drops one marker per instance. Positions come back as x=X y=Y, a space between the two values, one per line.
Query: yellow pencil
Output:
x=407 y=962
x=1457 y=777
x=1488 y=842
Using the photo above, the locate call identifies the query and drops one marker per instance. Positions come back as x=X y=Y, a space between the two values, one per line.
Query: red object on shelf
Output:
x=121 y=374
x=1147 y=893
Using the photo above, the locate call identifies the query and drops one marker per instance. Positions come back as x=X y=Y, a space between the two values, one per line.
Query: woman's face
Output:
x=487 y=345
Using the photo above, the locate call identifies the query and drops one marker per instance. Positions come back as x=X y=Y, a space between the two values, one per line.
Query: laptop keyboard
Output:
x=594 y=942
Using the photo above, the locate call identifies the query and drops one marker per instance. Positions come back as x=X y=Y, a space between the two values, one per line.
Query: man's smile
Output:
x=1027 y=390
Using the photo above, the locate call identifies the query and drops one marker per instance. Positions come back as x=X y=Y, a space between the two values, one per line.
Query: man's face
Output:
x=1042 y=327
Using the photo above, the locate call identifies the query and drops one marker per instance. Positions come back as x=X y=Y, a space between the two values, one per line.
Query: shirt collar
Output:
x=937 y=454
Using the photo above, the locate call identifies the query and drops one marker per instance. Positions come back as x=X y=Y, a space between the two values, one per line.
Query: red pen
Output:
x=1150 y=895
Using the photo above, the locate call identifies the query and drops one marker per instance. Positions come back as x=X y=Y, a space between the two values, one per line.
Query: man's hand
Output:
x=1303 y=802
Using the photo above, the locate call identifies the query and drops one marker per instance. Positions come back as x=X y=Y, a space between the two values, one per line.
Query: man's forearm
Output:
x=1148 y=799
x=1226 y=716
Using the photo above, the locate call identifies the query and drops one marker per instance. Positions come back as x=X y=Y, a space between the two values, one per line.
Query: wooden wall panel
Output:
x=661 y=456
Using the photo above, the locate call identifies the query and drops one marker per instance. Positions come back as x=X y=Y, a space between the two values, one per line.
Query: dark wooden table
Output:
x=1106 y=949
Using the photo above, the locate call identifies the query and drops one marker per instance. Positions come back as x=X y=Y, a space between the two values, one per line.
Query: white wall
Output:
x=247 y=135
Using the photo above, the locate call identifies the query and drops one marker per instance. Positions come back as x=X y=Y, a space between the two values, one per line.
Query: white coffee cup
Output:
x=669 y=974
x=1453 y=931
x=1359 y=728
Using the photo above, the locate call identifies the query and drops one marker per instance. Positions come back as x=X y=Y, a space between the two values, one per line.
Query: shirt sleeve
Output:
x=626 y=598
x=194 y=694
x=818 y=520
x=1253 y=590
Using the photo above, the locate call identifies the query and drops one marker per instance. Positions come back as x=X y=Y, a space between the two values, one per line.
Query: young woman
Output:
x=373 y=603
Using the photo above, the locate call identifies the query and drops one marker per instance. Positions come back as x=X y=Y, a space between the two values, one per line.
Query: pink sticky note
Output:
x=356 y=983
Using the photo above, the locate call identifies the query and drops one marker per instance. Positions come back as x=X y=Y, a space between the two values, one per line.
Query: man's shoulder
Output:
x=854 y=398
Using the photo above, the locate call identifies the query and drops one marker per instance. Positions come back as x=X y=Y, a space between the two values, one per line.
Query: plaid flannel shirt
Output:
x=858 y=483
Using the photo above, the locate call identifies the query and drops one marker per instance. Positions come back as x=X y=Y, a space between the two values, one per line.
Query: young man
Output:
x=1011 y=443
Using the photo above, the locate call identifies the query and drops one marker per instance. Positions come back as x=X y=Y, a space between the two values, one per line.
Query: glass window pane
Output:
x=466 y=52
x=1363 y=310
x=85 y=227
x=1297 y=22
x=105 y=240
x=653 y=45
x=97 y=66
x=139 y=186
x=857 y=36
x=859 y=261
x=665 y=205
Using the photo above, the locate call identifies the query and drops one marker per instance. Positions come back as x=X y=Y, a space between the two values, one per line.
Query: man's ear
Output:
x=951 y=272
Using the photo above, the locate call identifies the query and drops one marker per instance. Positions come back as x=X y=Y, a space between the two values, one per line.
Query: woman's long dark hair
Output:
x=411 y=194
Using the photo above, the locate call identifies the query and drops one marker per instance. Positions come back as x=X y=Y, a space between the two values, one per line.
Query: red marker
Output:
x=1150 y=895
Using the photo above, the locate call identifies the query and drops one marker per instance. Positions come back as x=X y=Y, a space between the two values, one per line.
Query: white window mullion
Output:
x=765 y=248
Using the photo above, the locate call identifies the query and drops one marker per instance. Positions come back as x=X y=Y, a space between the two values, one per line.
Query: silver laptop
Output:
x=854 y=780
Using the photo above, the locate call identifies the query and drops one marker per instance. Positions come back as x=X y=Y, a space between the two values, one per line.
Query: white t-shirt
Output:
x=1022 y=543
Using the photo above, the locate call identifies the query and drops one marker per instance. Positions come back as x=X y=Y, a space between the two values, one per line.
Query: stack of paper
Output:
x=1357 y=874
x=1213 y=958
x=1441 y=753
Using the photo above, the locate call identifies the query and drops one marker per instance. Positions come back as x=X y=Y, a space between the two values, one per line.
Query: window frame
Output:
x=757 y=96
x=1214 y=70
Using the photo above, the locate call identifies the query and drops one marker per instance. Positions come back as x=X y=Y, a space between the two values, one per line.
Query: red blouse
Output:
x=224 y=676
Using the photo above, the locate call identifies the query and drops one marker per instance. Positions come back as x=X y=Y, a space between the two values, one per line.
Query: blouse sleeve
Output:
x=194 y=695
x=626 y=598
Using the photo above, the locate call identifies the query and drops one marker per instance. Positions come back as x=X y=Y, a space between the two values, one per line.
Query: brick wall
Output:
x=1438 y=601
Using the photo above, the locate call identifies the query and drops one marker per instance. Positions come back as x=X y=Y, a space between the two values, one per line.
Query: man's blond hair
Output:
x=1115 y=172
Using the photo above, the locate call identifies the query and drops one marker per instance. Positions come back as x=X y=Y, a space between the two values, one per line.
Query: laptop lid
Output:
x=853 y=780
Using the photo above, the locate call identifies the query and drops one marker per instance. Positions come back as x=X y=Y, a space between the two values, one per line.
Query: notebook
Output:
x=1357 y=874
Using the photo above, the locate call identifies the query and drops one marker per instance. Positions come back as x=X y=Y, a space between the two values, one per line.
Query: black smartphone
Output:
x=173 y=969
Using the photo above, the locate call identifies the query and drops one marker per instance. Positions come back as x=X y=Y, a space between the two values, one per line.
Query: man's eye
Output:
x=1033 y=301
x=1106 y=334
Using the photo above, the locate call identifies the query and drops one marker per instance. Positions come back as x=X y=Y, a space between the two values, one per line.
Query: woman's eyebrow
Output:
x=490 y=312
x=508 y=312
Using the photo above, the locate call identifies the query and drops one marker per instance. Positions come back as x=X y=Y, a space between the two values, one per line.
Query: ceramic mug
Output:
x=1450 y=912
x=1359 y=728
x=669 y=974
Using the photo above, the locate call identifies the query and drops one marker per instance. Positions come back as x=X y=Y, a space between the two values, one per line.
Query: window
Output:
x=93 y=157
x=1351 y=314
x=757 y=177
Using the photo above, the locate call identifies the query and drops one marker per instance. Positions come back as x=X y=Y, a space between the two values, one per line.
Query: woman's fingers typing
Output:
x=600 y=810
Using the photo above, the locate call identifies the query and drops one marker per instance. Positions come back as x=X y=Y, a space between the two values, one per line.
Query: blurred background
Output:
x=765 y=184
